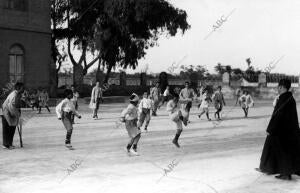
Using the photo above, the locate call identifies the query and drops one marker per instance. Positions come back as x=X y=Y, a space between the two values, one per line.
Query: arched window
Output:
x=16 y=64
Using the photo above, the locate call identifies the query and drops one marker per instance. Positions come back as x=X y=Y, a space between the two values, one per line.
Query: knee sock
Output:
x=178 y=133
x=130 y=144
x=68 y=137
x=207 y=115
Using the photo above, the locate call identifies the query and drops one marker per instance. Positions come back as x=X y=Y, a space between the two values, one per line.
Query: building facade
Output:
x=25 y=42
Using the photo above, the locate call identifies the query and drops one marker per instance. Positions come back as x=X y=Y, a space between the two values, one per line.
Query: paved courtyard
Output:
x=214 y=157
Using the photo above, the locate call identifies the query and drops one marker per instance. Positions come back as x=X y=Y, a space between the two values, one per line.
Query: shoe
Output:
x=175 y=142
x=134 y=152
x=12 y=147
x=284 y=177
x=127 y=151
x=209 y=119
x=199 y=116
x=5 y=147
x=69 y=146
x=297 y=173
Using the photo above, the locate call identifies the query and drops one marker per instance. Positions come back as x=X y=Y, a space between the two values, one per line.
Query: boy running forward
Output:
x=204 y=107
x=65 y=110
x=246 y=101
x=145 y=107
x=176 y=116
x=187 y=94
x=219 y=102
x=130 y=117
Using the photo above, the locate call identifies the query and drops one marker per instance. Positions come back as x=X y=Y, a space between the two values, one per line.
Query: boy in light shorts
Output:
x=176 y=116
x=145 y=107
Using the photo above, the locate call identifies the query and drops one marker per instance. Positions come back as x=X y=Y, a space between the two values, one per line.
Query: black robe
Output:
x=281 y=152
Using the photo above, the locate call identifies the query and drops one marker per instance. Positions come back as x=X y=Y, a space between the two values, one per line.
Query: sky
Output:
x=263 y=30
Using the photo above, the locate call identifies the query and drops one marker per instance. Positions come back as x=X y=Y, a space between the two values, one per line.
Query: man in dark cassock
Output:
x=281 y=152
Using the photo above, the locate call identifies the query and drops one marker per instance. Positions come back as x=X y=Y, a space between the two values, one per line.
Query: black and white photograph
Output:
x=149 y=96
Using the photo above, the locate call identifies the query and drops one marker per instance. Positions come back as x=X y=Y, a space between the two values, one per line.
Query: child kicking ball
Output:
x=176 y=116
x=65 y=111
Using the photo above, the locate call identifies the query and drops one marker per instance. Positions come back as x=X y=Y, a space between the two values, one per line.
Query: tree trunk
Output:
x=78 y=74
x=99 y=78
x=107 y=74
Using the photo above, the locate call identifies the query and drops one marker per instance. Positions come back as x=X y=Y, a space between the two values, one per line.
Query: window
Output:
x=16 y=64
x=19 y=5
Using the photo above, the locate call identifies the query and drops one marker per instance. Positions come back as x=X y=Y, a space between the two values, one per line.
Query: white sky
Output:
x=263 y=30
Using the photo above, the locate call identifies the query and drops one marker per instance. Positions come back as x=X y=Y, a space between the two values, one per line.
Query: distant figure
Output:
x=96 y=98
x=11 y=109
x=281 y=152
x=219 y=102
x=238 y=93
x=43 y=100
x=205 y=102
x=246 y=102
x=25 y=99
x=34 y=99
x=155 y=95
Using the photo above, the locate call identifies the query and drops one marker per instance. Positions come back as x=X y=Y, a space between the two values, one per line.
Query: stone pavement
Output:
x=214 y=157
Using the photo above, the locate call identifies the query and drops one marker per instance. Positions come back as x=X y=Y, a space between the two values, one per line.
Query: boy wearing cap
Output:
x=130 y=117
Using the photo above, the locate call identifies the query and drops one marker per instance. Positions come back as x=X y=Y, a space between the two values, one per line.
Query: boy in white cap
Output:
x=130 y=117
x=176 y=116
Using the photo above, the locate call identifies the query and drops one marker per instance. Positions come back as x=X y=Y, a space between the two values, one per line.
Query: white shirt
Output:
x=145 y=103
x=130 y=113
x=167 y=92
x=65 y=105
x=275 y=100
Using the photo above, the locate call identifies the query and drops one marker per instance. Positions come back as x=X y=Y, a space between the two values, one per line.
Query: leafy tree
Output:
x=237 y=71
x=193 y=73
x=117 y=32
x=127 y=28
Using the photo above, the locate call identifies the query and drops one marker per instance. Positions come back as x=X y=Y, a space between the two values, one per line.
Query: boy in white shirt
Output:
x=145 y=106
x=65 y=110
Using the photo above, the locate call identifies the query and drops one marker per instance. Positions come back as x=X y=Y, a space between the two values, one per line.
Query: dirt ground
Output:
x=214 y=156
